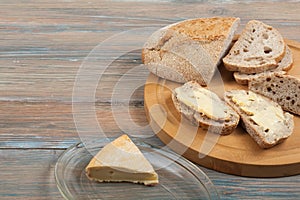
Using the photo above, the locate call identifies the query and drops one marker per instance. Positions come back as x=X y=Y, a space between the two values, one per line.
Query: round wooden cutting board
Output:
x=236 y=153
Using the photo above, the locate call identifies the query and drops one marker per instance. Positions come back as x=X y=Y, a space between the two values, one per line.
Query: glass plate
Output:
x=178 y=177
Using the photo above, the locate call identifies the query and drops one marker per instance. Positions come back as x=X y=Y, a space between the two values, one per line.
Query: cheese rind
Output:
x=119 y=161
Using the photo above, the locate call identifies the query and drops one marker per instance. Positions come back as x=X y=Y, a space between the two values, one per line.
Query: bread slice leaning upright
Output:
x=282 y=88
x=259 y=48
x=190 y=49
x=263 y=119
x=204 y=108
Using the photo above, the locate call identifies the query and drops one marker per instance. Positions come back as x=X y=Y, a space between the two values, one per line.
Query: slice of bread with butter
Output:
x=262 y=118
x=204 y=108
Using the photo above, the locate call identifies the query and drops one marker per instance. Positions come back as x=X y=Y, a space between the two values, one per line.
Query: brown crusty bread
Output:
x=263 y=119
x=259 y=48
x=284 y=65
x=214 y=115
x=282 y=88
x=190 y=49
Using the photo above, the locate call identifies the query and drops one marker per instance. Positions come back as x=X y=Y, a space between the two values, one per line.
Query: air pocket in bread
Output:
x=282 y=88
x=259 y=48
x=284 y=65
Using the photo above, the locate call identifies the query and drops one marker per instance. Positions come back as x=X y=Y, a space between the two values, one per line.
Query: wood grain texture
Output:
x=43 y=45
x=30 y=175
x=51 y=125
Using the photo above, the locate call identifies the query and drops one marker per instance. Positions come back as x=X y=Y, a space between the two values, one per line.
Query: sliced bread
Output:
x=189 y=50
x=284 y=89
x=204 y=108
x=259 y=48
x=263 y=119
x=284 y=65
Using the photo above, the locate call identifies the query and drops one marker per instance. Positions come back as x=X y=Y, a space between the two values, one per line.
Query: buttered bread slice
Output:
x=121 y=161
x=204 y=108
x=262 y=118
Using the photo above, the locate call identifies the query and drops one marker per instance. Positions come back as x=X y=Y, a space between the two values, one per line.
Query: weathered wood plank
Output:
x=51 y=125
x=53 y=80
x=30 y=175
x=235 y=187
x=43 y=43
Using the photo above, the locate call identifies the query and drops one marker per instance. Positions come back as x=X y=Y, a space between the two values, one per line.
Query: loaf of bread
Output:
x=204 y=108
x=259 y=48
x=262 y=118
x=284 y=65
x=282 y=88
x=189 y=50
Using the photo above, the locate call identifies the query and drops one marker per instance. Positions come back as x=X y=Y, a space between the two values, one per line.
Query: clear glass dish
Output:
x=178 y=177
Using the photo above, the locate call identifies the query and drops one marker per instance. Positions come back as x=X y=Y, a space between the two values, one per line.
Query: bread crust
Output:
x=222 y=127
x=189 y=50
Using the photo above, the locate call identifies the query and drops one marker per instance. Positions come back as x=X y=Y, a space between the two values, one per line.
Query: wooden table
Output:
x=42 y=46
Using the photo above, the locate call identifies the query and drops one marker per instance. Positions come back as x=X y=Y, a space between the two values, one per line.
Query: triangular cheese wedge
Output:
x=119 y=161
